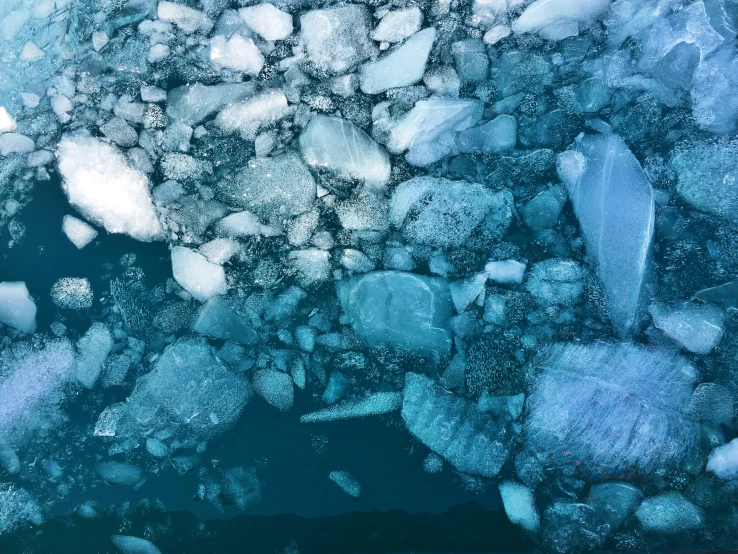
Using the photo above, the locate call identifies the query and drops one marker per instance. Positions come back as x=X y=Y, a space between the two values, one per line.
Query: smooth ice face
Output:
x=193 y=103
x=399 y=310
x=101 y=184
x=519 y=504
x=398 y=25
x=248 y=116
x=339 y=146
x=266 y=20
x=133 y=545
x=543 y=14
x=613 y=201
x=197 y=275
x=697 y=328
x=17 y=308
x=217 y=319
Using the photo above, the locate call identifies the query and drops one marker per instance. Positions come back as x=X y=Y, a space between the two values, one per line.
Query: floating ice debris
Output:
x=723 y=460
x=249 y=116
x=7 y=121
x=188 y=20
x=697 y=328
x=93 y=349
x=347 y=483
x=615 y=501
x=14 y=143
x=193 y=103
x=17 y=308
x=557 y=19
x=375 y=404
x=117 y=473
x=397 y=25
x=17 y=509
x=237 y=53
x=72 y=293
x=217 y=319
x=78 y=232
x=275 y=387
x=269 y=22
x=519 y=505
x=505 y=272
x=133 y=545
x=556 y=282
x=197 y=275
x=99 y=182
x=669 y=513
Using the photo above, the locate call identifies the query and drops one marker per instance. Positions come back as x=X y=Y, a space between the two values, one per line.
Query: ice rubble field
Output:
x=508 y=226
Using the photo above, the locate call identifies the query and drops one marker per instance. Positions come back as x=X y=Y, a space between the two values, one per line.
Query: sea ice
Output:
x=197 y=275
x=346 y=482
x=266 y=20
x=397 y=25
x=669 y=512
x=17 y=308
x=249 y=116
x=519 y=505
x=133 y=545
x=217 y=319
x=697 y=328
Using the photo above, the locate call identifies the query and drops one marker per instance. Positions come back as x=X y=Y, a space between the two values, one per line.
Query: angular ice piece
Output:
x=399 y=310
x=266 y=20
x=471 y=60
x=78 y=232
x=613 y=201
x=217 y=319
x=348 y=484
x=133 y=545
x=72 y=293
x=375 y=404
x=506 y=272
x=336 y=387
x=17 y=308
x=546 y=13
x=272 y=188
x=398 y=25
x=312 y=265
x=432 y=120
x=343 y=148
x=556 y=282
x=99 y=182
x=498 y=135
x=453 y=427
x=519 y=504
x=237 y=54
x=669 y=512
x=186 y=19
x=543 y=210
x=193 y=103
x=606 y=405
x=197 y=275
x=707 y=174
x=723 y=460
x=442 y=213
x=402 y=67
x=7 y=121
x=714 y=85
x=337 y=39
x=31 y=53
x=275 y=387
x=247 y=117
x=117 y=473
x=464 y=292
x=220 y=250
x=14 y=143
x=614 y=501
x=120 y=132
x=697 y=328
x=244 y=224
x=93 y=347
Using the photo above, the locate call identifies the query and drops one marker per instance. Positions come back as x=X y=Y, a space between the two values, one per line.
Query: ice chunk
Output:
x=269 y=22
x=544 y=209
x=188 y=20
x=714 y=403
x=193 y=103
x=519 y=505
x=336 y=387
x=17 y=509
x=433 y=463
x=120 y=132
x=605 y=405
x=464 y=292
x=357 y=261
x=244 y=224
x=723 y=460
x=7 y=121
x=471 y=60
x=613 y=201
x=31 y=53
x=346 y=482
x=273 y=188
x=14 y=143
x=375 y=404
x=275 y=387
x=99 y=182
x=442 y=213
x=220 y=250
x=707 y=173
x=337 y=39
x=217 y=319
x=713 y=92
x=133 y=545
x=669 y=513
x=157 y=448
x=236 y=53
x=78 y=232
x=93 y=347
x=117 y=473
x=506 y=272
x=399 y=310
x=312 y=265
x=17 y=308
x=556 y=282
x=614 y=501
x=453 y=427
x=9 y=461
x=402 y=67
x=498 y=135
x=72 y=293
x=397 y=25
x=196 y=274
x=248 y=116
x=343 y=148
x=697 y=328
x=545 y=15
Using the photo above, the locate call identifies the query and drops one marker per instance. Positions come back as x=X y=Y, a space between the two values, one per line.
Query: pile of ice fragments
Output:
x=509 y=226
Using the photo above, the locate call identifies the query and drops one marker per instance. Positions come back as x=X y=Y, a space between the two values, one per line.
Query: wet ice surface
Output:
x=495 y=239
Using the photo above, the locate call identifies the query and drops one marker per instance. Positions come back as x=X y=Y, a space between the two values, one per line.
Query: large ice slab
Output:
x=217 y=319
x=613 y=201
x=101 y=184
x=546 y=15
x=269 y=22
x=196 y=274
x=339 y=146
x=402 y=67
x=399 y=310
x=453 y=427
x=17 y=308
x=193 y=103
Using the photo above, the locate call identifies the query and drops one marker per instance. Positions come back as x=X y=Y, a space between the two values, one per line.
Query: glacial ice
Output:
x=197 y=275
x=519 y=505
x=215 y=318
x=268 y=21
x=17 y=308
x=697 y=328
x=613 y=202
x=237 y=53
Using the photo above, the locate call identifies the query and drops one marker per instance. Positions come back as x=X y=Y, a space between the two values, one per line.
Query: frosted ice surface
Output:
x=93 y=347
x=398 y=309
x=375 y=404
x=723 y=460
x=613 y=201
x=506 y=272
x=17 y=308
x=197 y=275
x=697 y=328
x=7 y=121
x=14 y=143
x=498 y=135
x=17 y=509
x=269 y=22
x=337 y=39
x=669 y=513
x=219 y=250
x=248 y=116
x=401 y=67
x=556 y=282
x=134 y=545
x=614 y=501
x=188 y=20
x=217 y=319
x=519 y=505
x=453 y=427
x=275 y=387
x=72 y=293
x=194 y=103
x=99 y=182
x=397 y=25
x=117 y=473
x=607 y=404
x=339 y=146
x=346 y=482
x=236 y=53
x=244 y=224
x=312 y=265
x=543 y=14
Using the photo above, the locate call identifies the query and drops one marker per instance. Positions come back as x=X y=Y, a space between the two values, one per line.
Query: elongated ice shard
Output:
x=613 y=202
